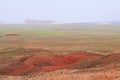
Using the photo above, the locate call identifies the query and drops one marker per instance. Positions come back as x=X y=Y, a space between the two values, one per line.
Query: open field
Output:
x=95 y=38
x=66 y=51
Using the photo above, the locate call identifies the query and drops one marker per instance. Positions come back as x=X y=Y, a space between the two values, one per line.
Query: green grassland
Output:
x=60 y=38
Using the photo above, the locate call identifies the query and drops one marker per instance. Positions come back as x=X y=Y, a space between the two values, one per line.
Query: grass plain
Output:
x=63 y=37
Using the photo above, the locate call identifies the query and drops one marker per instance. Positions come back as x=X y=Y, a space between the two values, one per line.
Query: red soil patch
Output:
x=105 y=61
x=44 y=63
x=12 y=35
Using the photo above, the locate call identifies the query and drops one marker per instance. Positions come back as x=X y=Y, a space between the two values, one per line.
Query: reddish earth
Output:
x=12 y=35
x=110 y=61
x=42 y=63
x=98 y=68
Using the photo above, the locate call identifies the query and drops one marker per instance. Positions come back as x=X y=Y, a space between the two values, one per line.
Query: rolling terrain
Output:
x=59 y=52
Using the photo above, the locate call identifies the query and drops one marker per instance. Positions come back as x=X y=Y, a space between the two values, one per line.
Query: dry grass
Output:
x=59 y=39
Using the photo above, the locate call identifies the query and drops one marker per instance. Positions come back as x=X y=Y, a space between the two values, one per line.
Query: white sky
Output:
x=60 y=10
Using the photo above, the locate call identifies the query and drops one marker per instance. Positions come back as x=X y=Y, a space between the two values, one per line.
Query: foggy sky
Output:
x=60 y=10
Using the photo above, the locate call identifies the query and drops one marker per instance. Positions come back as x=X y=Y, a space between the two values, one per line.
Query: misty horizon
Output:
x=54 y=21
x=65 y=11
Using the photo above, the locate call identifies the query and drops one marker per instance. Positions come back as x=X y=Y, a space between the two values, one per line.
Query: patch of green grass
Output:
x=49 y=32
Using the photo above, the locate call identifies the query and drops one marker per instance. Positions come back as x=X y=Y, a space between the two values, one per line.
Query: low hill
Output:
x=44 y=63
x=32 y=21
